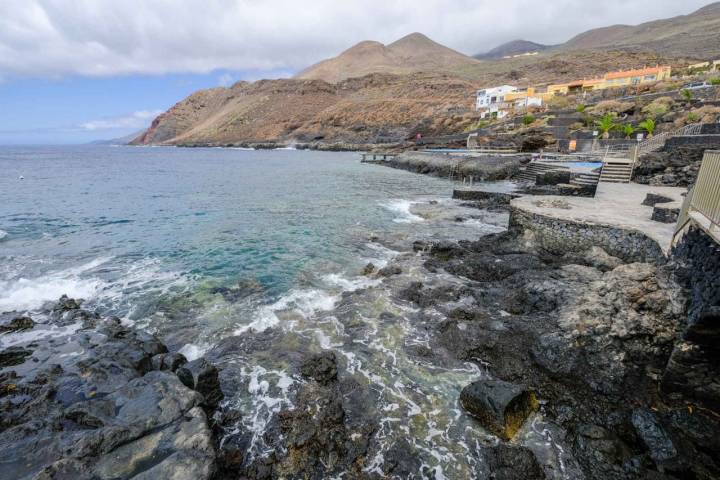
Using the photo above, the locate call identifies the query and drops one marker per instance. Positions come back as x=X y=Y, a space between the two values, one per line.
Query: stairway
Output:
x=532 y=169
x=616 y=170
x=585 y=179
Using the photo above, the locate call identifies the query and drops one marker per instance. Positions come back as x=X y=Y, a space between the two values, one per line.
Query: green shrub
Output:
x=581 y=108
x=528 y=119
x=628 y=130
x=693 y=117
x=715 y=81
x=658 y=107
x=648 y=125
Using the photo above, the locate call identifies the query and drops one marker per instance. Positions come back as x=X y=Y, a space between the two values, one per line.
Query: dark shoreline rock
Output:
x=114 y=408
x=501 y=407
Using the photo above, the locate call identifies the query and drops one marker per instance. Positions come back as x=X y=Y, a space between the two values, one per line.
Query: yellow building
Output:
x=637 y=77
x=613 y=79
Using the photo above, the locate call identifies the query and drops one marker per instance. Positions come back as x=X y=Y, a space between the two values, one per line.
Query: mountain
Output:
x=375 y=93
x=124 y=140
x=696 y=35
x=410 y=54
x=510 y=49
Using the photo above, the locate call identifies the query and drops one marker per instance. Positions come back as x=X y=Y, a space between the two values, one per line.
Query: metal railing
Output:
x=704 y=198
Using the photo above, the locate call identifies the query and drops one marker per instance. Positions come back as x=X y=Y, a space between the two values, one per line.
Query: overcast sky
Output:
x=54 y=44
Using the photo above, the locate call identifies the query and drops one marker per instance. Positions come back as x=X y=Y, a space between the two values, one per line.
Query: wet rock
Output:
x=12 y=356
x=321 y=367
x=390 y=270
x=511 y=462
x=369 y=269
x=202 y=376
x=66 y=303
x=653 y=436
x=168 y=361
x=501 y=407
x=13 y=322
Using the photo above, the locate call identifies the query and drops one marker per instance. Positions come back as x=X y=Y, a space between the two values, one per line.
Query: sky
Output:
x=73 y=71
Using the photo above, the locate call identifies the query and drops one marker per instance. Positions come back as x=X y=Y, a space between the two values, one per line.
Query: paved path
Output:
x=615 y=204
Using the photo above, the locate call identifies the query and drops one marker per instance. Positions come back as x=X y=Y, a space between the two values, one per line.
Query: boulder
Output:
x=202 y=376
x=321 y=367
x=390 y=270
x=13 y=322
x=501 y=407
x=369 y=269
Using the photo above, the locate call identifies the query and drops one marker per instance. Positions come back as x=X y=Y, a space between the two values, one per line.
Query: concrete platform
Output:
x=616 y=205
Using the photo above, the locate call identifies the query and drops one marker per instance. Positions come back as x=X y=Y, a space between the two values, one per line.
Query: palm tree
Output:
x=606 y=124
x=628 y=130
x=648 y=125
x=686 y=94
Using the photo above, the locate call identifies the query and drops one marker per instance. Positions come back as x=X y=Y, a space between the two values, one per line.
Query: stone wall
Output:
x=708 y=141
x=563 y=236
x=694 y=366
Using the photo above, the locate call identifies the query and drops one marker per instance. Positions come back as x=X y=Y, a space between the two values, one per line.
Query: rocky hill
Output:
x=374 y=93
x=411 y=54
x=510 y=49
x=694 y=36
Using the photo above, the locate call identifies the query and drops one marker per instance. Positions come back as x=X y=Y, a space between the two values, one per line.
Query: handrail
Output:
x=704 y=198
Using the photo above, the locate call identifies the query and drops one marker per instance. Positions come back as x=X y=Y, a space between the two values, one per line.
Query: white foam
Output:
x=26 y=336
x=306 y=302
x=3 y=234
x=402 y=207
x=350 y=284
x=192 y=351
x=28 y=294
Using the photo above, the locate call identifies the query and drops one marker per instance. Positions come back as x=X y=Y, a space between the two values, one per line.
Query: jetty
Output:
x=377 y=157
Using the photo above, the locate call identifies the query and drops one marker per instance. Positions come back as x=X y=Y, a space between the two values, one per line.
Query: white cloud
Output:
x=135 y=120
x=110 y=37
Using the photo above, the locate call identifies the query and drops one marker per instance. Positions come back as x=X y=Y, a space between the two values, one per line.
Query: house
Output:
x=523 y=98
x=491 y=101
x=577 y=86
x=636 y=77
x=612 y=79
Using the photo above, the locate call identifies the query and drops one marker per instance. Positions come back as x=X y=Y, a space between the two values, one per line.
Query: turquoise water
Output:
x=208 y=245
x=129 y=228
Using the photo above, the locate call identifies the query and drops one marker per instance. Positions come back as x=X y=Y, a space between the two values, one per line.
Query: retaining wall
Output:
x=561 y=236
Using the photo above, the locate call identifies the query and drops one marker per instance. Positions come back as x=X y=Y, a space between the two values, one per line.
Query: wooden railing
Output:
x=702 y=204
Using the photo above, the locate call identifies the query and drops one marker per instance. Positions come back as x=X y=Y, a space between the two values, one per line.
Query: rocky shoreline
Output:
x=571 y=348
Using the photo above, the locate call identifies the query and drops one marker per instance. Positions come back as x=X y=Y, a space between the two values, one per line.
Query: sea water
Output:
x=200 y=245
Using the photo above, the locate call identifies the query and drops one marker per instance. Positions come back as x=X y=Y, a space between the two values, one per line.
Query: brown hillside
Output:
x=411 y=54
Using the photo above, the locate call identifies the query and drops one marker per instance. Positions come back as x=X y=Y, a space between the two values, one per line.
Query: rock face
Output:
x=101 y=403
x=501 y=407
x=592 y=335
x=487 y=168
x=693 y=367
x=677 y=166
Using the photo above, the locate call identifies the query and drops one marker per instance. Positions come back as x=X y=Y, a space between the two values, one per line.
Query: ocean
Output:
x=204 y=245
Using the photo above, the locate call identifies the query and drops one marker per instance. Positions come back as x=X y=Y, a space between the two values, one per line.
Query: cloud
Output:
x=135 y=120
x=50 y=38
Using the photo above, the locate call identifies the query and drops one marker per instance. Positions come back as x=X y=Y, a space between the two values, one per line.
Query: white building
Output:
x=491 y=101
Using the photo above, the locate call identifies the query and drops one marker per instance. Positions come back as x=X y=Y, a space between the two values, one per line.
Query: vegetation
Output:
x=693 y=117
x=686 y=94
x=648 y=125
x=606 y=124
x=715 y=81
x=658 y=107
x=581 y=108
x=559 y=102
x=528 y=119
x=628 y=130
x=612 y=106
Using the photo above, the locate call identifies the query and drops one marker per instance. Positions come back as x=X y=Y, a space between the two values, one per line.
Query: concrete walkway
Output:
x=615 y=205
